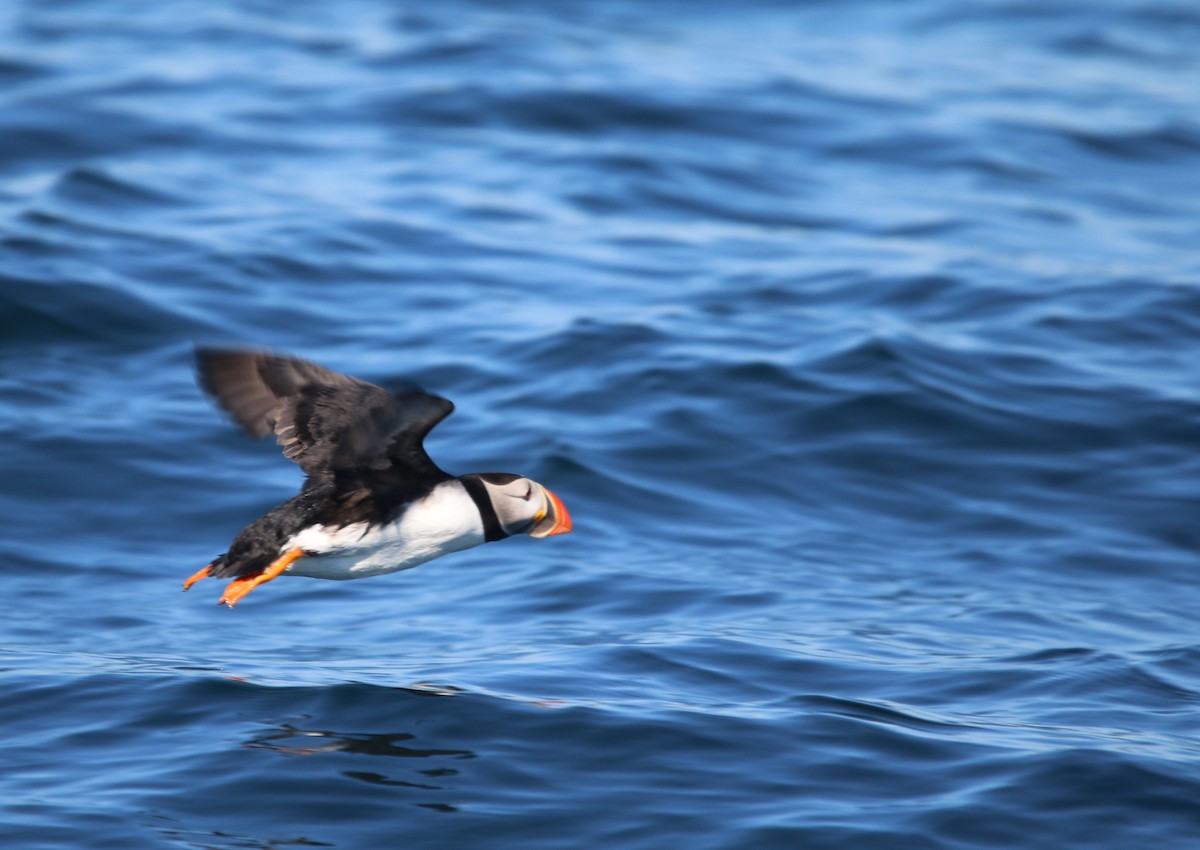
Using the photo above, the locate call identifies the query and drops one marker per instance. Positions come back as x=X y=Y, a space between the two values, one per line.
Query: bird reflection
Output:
x=294 y=741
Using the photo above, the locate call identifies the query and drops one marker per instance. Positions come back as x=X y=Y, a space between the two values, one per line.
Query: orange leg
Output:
x=242 y=585
x=196 y=577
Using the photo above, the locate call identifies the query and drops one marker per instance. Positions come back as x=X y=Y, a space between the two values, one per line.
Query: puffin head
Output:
x=521 y=505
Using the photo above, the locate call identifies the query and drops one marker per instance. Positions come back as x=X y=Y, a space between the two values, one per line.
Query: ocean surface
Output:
x=861 y=339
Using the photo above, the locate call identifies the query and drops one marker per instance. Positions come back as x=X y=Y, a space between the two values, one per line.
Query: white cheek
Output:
x=521 y=515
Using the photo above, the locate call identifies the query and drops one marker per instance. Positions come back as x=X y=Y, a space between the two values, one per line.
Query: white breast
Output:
x=444 y=521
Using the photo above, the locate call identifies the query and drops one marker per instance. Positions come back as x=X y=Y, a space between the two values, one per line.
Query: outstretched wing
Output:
x=325 y=421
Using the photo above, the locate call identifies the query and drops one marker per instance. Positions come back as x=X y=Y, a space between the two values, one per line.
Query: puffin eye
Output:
x=528 y=492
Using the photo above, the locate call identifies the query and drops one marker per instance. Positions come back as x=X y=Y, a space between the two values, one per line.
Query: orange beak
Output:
x=554 y=520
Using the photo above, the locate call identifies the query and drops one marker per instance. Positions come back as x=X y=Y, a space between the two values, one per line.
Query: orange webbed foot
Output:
x=242 y=585
x=196 y=576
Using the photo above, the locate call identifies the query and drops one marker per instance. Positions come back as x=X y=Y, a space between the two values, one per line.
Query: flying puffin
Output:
x=373 y=501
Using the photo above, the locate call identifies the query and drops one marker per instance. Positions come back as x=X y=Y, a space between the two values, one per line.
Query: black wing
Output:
x=325 y=421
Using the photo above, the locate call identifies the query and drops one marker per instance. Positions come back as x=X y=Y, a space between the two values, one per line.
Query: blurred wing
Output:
x=325 y=421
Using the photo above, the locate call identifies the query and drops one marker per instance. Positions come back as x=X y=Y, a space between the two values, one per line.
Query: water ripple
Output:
x=861 y=353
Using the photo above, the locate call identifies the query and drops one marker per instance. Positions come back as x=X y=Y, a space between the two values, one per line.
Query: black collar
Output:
x=475 y=488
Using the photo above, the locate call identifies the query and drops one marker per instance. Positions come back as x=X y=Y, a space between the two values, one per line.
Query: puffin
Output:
x=372 y=502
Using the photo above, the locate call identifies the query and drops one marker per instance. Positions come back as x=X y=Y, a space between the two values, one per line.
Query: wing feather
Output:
x=325 y=421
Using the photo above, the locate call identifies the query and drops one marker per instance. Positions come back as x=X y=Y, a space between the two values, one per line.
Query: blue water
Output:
x=861 y=340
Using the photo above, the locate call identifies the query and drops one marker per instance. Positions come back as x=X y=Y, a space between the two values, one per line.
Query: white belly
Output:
x=444 y=521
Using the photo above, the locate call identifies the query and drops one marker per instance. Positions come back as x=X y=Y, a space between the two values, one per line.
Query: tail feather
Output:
x=222 y=567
